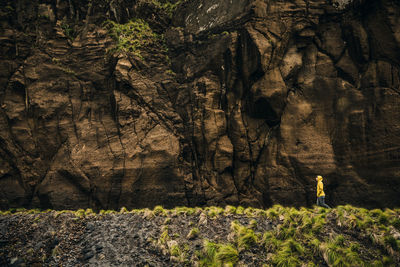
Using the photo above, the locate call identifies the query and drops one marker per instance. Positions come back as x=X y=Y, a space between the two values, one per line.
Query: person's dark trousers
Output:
x=321 y=202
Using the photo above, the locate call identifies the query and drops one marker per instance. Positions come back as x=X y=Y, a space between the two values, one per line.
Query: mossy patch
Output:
x=133 y=36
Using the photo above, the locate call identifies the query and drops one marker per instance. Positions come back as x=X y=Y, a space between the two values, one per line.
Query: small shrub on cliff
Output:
x=68 y=30
x=132 y=36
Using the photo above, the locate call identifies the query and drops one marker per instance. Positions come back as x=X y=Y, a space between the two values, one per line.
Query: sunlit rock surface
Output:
x=249 y=103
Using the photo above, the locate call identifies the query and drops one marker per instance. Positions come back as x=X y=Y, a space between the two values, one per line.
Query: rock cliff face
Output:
x=239 y=102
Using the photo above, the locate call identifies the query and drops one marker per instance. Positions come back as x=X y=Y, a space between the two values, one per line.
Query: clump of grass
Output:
x=395 y=222
x=288 y=254
x=319 y=223
x=239 y=210
x=194 y=232
x=111 y=212
x=123 y=210
x=383 y=219
x=106 y=212
x=80 y=213
x=178 y=254
x=270 y=242
x=244 y=237
x=284 y=232
x=68 y=30
x=89 y=212
x=260 y=213
x=5 y=212
x=227 y=254
x=335 y=253
x=250 y=212
x=339 y=240
x=184 y=211
x=230 y=210
x=272 y=214
x=275 y=212
x=164 y=237
x=391 y=242
x=218 y=254
x=159 y=210
x=34 y=211
x=253 y=224
x=213 y=212
x=148 y=214
x=132 y=36
x=175 y=250
x=329 y=252
x=207 y=258
x=315 y=245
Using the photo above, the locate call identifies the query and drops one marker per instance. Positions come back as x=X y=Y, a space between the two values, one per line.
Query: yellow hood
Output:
x=319 y=177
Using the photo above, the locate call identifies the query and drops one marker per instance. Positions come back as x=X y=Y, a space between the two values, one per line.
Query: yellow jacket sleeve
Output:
x=320 y=189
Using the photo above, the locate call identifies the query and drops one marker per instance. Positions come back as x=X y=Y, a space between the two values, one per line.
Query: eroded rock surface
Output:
x=249 y=103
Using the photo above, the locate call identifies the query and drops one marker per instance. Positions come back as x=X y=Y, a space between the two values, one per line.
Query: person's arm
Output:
x=320 y=188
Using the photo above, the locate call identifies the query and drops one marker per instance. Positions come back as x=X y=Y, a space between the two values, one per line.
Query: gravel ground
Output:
x=344 y=236
x=125 y=239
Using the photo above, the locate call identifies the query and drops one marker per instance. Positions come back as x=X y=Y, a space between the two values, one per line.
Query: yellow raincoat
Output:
x=320 y=187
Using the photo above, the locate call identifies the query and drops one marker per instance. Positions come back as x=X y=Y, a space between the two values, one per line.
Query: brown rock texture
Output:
x=240 y=102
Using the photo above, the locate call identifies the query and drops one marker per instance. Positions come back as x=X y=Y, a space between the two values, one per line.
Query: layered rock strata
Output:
x=249 y=102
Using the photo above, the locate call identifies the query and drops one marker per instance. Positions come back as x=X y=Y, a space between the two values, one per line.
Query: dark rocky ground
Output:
x=225 y=102
x=104 y=240
x=162 y=237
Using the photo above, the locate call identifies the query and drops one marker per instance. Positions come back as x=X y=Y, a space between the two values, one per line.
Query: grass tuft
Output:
x=227 y=254
x=159 y=210
x=194 y=232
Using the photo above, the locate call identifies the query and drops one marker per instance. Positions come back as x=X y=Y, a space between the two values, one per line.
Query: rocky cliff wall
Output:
x=227 y=102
